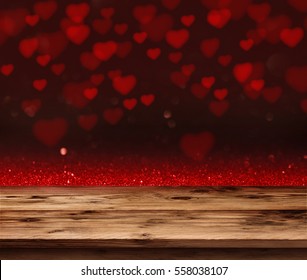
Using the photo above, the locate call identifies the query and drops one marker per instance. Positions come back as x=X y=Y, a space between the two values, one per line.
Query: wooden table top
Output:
x=153 y=217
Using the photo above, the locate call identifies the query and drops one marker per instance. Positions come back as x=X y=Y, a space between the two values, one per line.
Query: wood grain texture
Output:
x=153 y=217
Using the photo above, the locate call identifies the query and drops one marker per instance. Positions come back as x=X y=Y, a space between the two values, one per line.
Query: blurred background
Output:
x=190 y=78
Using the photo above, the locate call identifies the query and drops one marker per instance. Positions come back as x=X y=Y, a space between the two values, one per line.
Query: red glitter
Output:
x=139 y=170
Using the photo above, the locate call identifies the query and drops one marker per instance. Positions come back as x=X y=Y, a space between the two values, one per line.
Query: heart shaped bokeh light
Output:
x=204 y=82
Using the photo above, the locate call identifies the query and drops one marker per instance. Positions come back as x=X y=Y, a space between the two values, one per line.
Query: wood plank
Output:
x=155 y=228
x=153 y=217
x=153 y=198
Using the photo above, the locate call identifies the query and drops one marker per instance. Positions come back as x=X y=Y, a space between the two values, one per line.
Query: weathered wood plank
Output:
x=152 y=198
x=155 y=228
x=153 y=217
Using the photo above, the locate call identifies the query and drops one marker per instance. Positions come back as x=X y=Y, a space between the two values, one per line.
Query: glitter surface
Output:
x=152 y=170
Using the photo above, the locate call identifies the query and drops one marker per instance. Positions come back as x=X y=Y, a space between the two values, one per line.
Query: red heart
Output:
x=147 y=99
x=12 y=22
x=199 y=91
x=179 y=79
x=58 y=69
x=208 y=82
x=251 y=93
x=107 y=12
x=27 y=47
x=177 y=38
x=46 y=9
x=50 y=132
x=121 y=29
x=175 y=57
x=273 y=94
x=188 y=20
x=171 y=4
x=219 y=108
x=124 y=85
x=259 y=12
x=140 y=37
x=273 y=26
x=304 y=105
x=221 y=94
x=32 y=20
x=209 y=47
x=130 y=103
x=97 y=79
x=113 y=116
x=219 y=18
x=89 y=61
x=153 y=53
x=77 y=12
x=123 y=49
x=90 y=93
x=52 y=43
x=296 y=78
x=197 y=146
x=236 y=7
x=257 y=85
x=40 y=84
x=224 y=60
x=104 y=51
x=88 y=122
x=7 y=70
x=242 y=71
x=102 y=26
x=43 y=60
x=30 y=107
x=188 y=69
x=78 y=33
x=144 y=14
x=246 y=44
x=292 y=37
x=158 y=27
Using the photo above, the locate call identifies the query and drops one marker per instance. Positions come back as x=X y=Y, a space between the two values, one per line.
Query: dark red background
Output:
x=250 y=125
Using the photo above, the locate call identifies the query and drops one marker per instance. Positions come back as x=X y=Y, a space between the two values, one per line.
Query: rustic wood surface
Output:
x=153 y=217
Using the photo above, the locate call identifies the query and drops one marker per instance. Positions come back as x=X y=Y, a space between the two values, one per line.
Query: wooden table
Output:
x=153 y=223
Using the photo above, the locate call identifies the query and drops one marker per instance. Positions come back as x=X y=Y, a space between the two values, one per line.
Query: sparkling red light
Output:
x=140 y=170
